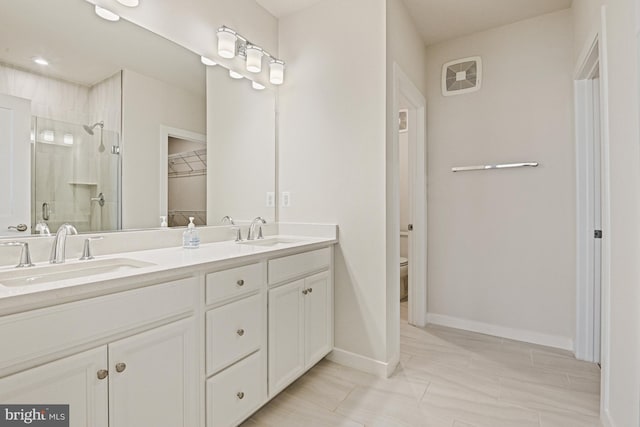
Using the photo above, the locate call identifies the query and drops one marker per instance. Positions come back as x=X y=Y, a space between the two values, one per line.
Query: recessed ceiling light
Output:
x=129 y=3
x=40 y=61
x=208 y=61
x=106 y=14
x=235 y=75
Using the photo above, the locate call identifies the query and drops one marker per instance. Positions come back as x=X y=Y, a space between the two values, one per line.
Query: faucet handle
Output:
x=238 y=233
x=25 y=255
x=86 y=251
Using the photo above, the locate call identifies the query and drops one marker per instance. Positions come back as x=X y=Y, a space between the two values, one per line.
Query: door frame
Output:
x=594 y=54
x=403 y=86
x=165 y=133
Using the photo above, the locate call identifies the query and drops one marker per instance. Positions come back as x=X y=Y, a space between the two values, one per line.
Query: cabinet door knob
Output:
x=240 y=332
x=304 y=292
x=102 y=374
x=240 y=395
x=310 y=290
x=120 y=367
x=240 y=282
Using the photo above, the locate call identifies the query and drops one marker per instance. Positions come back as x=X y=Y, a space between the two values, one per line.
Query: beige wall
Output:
x=332 y=153
x=241 y=147
x=147 y=105
x=623 y=398
x=502 y=243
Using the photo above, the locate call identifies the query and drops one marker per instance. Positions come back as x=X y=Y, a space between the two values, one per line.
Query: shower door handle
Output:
x=410 y=227
x=45 y=211
x=99 y=199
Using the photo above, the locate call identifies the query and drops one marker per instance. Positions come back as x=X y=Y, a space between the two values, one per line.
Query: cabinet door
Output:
x=317 y=323
x=70 y=381
x=154 y=378
x=286 y=335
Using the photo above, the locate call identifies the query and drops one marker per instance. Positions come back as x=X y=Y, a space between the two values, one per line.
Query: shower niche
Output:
x=75 y=175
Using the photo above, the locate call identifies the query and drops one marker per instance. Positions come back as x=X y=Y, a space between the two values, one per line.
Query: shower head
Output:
x=90 y=129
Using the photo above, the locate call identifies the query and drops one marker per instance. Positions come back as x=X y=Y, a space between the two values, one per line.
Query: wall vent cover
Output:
x=461 y=76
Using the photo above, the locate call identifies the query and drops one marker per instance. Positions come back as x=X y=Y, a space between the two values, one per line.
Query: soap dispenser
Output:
x=191 y=238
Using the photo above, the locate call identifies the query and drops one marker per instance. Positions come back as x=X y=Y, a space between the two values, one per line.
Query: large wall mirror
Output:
x=117 y=129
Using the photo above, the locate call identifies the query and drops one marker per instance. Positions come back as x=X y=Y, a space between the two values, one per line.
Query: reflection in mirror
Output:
x=139 y=88
x=240 y=149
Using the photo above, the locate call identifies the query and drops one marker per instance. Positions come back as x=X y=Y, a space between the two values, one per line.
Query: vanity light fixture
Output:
x=254 y=58
x=40 y=61
x=235 y=75
x=208 y=61
x=106 y=14
x=276 y=71
x=232 y=43
x=257 y=86
x=129 y=3
x=227 y=39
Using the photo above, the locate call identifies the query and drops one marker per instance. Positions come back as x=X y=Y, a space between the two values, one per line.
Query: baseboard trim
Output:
x=502 y=331
x=606 y=419
x=362 y=363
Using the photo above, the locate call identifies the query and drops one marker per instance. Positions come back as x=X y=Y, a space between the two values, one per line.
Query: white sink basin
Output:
x=54 y=272
x=271 y=241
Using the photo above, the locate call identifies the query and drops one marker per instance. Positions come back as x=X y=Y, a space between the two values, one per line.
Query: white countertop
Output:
x=167 y=263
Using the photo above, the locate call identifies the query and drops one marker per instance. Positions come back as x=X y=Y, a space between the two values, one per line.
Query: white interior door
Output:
x=15 y=165
x=597 y=218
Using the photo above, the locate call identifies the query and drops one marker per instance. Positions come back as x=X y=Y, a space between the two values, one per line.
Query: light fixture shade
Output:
x=257 y=86
x=129 y=3
x=227 y=43
x=208 y=61
x=235 y=75
x=254 y=58
x=106 y=14
x=276 y=72
x=40 y=61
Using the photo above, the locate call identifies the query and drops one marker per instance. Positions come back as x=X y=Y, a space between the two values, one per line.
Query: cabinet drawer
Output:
x=294 y=266
x=35 y=334
x=234 y=331
x=235 y=393
x=226 y=284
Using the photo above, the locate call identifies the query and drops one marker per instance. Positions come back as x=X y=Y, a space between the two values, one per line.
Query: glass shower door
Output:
x=75 y=176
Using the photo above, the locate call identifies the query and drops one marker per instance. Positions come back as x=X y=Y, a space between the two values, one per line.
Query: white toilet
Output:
x=404 y=278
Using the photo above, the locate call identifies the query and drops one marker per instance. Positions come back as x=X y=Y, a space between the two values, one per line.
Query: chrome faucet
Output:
x=59 y=243
x=252 y=228
x=25 y=256
x=228 y=219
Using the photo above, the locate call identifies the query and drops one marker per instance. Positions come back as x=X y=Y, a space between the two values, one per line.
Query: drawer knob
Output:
x=240 y=395
x=240 y=282
x=102 y=374
x=240 y=332
x=310 y=290
x=304 y=292
x=120 y=367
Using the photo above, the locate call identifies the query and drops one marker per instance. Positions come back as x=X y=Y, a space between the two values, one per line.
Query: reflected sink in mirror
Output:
x=55 y=272
x=271 y=241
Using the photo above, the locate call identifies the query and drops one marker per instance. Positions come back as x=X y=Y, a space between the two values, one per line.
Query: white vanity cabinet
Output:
x=236 y=343
x=144 y=370
x=300 y=315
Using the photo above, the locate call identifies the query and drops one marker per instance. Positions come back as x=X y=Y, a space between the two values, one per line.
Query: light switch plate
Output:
x=271 y=199
x=286 y=199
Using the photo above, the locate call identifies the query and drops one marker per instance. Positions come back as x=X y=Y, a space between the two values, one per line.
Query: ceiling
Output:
x=439 y=20
x=84 y=49
x=280 y=8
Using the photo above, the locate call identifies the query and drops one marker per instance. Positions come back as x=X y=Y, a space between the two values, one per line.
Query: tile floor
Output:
x=446 y=378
